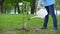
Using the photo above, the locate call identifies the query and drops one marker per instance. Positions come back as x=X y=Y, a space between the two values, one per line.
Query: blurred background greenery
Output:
x=18 y=6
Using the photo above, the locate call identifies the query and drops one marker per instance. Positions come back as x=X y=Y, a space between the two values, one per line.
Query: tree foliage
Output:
x=8 y=5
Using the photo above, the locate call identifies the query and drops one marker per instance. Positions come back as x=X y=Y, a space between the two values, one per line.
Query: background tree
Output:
x=1 y=5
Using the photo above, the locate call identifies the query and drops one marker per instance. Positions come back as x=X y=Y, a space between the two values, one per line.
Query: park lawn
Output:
x=13 y=21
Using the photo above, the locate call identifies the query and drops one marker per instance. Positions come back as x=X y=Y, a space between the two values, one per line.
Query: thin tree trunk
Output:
x=1 y=5
x=33 y=9
x=1 y=8
x=18 y=8
x=15 y=9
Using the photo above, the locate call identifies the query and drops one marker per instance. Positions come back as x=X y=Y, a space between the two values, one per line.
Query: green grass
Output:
x=16 y=21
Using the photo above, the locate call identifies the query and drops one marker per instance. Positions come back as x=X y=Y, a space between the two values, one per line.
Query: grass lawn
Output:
x=9 y=22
